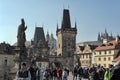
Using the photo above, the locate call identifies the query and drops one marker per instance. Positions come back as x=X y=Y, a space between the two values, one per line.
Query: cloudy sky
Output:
x=92 y=16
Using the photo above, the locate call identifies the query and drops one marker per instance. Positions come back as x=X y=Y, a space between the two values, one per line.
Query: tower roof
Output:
x=39 y=35
x=66 y=19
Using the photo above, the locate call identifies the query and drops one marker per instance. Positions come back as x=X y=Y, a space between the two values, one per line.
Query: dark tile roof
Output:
x=81 y=48
x=39 y=35
x=6 y=48
x=92 y=47
x=66 y=19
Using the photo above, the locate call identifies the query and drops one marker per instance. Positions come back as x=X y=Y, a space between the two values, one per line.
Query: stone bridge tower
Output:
x=66 y=39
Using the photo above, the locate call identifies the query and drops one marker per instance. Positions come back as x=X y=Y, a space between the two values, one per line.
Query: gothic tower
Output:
x=66 y=37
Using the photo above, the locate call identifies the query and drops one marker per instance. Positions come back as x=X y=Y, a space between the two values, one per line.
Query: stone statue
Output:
x=21 y=37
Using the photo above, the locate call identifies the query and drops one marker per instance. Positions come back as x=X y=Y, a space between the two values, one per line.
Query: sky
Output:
x=92 y=17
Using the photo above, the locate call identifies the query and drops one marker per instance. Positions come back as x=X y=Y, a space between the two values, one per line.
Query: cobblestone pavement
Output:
x=70 y=77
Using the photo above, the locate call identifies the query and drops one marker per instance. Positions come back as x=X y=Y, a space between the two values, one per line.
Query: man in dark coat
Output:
x=115 y=74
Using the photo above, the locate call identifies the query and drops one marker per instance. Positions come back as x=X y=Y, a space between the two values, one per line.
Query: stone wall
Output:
x=9 y=58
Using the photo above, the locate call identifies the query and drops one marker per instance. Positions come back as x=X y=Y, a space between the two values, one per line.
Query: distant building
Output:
x=7 y=55
x=105 y=53
x=105 y=36
x=6 y=48
x=89 y=43
x=52 y=43
x=39 y=44
x=102 y=38
x=66 y=39
x=85 y=54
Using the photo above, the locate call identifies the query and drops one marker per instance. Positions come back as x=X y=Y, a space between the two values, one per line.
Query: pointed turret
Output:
x=51 y=35
x=111 y=34
x=39 y=35
x=75 y=25
x=57 y=27
x=47 y=36
x=105 y=30
x=66 y=19
x=106 y=34
x=99 y=37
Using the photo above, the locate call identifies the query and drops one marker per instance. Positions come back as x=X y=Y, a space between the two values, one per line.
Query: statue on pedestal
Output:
x=21 y=37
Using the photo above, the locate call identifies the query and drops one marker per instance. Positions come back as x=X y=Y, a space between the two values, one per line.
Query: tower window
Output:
x=68 y=44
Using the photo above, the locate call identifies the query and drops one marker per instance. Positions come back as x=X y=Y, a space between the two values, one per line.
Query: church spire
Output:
x=106 y=34
x=99 y=37
x=75 y=24
x=111 y=35
x=105 y=31
x=57 y=26
x=47 y=36
x=66 y=19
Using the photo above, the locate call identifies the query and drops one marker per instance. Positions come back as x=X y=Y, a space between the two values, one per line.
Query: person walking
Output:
x=80 y=72
x=23 y=73
x=115 y=74
x=33 y=71
x=65 y=74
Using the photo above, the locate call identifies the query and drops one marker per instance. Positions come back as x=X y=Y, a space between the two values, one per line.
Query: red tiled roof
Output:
x=110 y=45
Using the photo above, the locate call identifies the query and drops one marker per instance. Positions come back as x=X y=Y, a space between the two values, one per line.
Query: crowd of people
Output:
x=90 y=73
x=35 y=73
x=97 y=72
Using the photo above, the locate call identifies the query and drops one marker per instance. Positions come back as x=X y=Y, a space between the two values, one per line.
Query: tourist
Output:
x=33 y=71
x=75 y=73
x=101 y=72
x=64 y=74
x=80 y=72
x=115 y=74
x=59 y=74
x=107 y=75
x=93 y=75
x=23 y=73
x=54 y=72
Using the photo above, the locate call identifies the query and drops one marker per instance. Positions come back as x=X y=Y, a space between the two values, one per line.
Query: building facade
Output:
x=105 y=53
x=85 y=54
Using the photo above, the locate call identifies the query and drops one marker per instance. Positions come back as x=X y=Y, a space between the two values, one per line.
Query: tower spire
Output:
x=111 y=34
x=66 y=19
x=105 y=30
x=106 y=34
x=75 y=24
x=99 y=37
x=47 y=36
